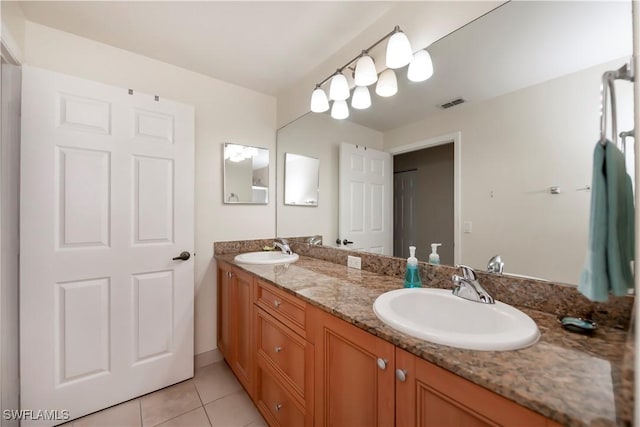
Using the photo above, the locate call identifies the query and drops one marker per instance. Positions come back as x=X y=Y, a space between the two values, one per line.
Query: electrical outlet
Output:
x=354 y=262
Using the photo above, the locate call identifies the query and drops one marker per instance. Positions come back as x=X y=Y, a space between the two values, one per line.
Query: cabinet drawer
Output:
x=283 y=349
x=276 y=406
x=284 y=307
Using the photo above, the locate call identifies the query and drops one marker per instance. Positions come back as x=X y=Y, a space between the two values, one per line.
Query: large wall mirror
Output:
x=246 y=174
x=505 y=172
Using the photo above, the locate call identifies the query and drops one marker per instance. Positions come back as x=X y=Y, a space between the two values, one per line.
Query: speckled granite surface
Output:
x=573 y=379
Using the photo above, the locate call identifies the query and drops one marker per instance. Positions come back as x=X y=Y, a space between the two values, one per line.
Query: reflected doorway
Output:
x=424 y=202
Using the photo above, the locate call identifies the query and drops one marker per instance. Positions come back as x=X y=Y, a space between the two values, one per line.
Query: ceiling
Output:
x=266 y=46
x=260 y=45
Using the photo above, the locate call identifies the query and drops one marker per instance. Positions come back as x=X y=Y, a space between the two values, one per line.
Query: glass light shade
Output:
x=421 y=67
x=340 y=110
x=399 y=52
x=339 y=89
x=361 y=98
x=319 y=101
x=365 y=73
x=387 y=84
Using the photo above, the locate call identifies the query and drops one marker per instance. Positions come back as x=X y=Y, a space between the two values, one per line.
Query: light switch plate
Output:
x=354 y=262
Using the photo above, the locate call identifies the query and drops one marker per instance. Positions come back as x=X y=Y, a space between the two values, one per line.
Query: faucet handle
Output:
x=467 y=272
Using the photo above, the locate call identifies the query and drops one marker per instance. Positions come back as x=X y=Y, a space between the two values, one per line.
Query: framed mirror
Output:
x=246 y=174
x=301 y=180
x=526 y=80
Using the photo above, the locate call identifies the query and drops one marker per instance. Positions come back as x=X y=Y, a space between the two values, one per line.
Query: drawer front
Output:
x=276 y=406
x=283 y=348
x=286 y=308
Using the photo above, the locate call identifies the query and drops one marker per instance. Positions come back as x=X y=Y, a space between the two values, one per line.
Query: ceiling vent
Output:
x=452 y=103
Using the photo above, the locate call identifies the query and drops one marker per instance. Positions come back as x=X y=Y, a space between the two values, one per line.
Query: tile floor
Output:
x=214 y=397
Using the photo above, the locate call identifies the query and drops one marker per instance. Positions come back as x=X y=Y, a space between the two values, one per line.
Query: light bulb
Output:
x=319 y=101
x=340 y=110
x=387 y=84
x=365 y=73
x=339 y=89
x=421 y=67
x=399 y=52
x=361 y=98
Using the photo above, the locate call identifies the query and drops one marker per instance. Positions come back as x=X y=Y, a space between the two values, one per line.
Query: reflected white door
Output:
x=404 y=211
x=106 y=203
x=366 y=182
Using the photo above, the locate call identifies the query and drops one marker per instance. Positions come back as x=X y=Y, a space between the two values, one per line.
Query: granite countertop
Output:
x=575 y=380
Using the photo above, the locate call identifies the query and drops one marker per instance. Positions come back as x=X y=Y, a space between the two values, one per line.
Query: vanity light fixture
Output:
x=365 y=73
x=398 y=55
x=387 y=83
x=339 y=88
x=399 y=51
x=340 y=110
x=361 y=98
x=319 y=101
x=420 y=67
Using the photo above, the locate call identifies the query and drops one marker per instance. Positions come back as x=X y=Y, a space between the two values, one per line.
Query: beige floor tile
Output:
x=195 y=418
x=234 y=410
x=126 y=414
x=215 y=381
x=259 y=423
x=168 y=403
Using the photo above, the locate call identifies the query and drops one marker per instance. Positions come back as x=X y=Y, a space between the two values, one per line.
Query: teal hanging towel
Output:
x=611 y=227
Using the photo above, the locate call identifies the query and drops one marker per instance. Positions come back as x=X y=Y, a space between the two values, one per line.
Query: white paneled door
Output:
x=106 y=312
x=366 y=185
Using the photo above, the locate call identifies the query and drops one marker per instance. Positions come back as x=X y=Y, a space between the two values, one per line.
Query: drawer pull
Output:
x=278 y=406
x=401 y=375
x=382 y=363
x=276 y=303
x=277 y=349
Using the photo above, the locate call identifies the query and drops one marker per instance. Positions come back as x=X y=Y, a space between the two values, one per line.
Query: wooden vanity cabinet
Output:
x=284 y=358
x=305 y=367
x=427 y=395
x=354 y=374
x=235 y=338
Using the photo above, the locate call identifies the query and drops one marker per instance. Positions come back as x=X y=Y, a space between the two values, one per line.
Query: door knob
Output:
x=401 y=375
x=184 y=255
x=338 y=241
x=382 y=363
x=346 y=242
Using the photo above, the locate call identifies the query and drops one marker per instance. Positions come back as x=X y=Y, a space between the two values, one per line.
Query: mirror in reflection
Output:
x=301 y=180
x=246 y=174
x=529 y=74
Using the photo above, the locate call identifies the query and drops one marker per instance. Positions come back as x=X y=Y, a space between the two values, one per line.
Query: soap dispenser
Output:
x=412 y=276
x=434 y=258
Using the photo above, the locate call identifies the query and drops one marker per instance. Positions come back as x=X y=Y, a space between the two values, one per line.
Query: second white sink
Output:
x=438 y=316
x=266 y=257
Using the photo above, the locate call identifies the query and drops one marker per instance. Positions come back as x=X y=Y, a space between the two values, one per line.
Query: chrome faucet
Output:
x=283 y=245
x=468 y=287
x=315 y=240
x=495 y=265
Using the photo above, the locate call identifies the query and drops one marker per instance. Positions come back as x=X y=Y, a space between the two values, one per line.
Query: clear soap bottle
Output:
x=412 y=275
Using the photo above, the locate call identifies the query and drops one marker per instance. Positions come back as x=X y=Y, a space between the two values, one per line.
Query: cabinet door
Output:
x=241 y=339
x=224 y=309
x=355 y=372
x=427 y=395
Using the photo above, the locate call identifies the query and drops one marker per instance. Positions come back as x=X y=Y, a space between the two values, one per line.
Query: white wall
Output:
x=13 y=29
x=514 y=148
x=319 y=136
x=224 y=113
x=424 y=22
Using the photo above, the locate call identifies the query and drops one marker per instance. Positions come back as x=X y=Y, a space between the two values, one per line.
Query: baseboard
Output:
x=207 y=358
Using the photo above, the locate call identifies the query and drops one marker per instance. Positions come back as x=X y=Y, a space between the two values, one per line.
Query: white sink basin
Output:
x=438 y=316
x=266 y=257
